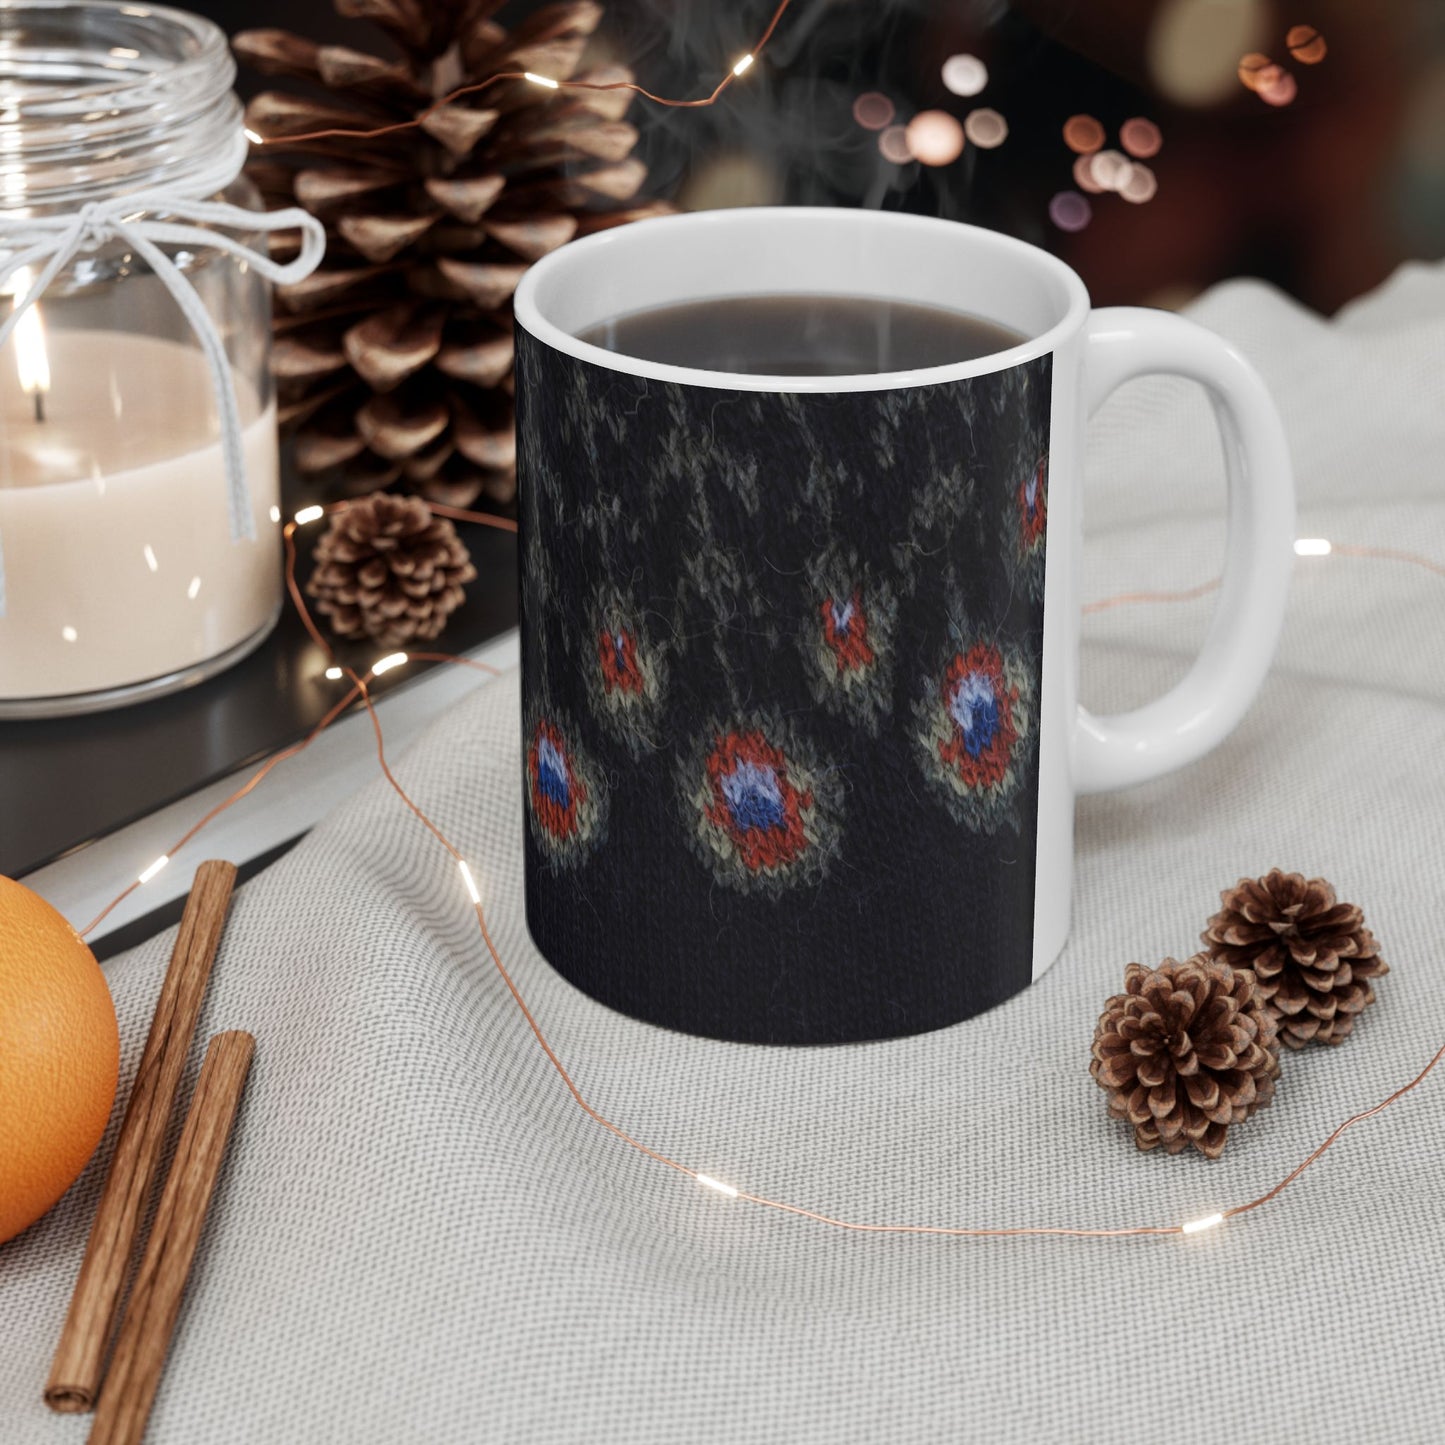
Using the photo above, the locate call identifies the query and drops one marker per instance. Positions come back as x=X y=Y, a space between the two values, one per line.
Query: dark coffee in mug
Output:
x=802 y=335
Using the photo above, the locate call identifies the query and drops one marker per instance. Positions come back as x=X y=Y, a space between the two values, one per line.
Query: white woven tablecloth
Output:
x=419 y=1237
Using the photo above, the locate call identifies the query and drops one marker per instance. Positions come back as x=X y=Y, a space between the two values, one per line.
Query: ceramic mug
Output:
x=801 y=736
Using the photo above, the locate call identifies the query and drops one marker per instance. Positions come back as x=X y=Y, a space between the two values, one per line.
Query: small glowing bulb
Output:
x=1312 y=547
x=150 y=557
x=1197 y=1226
x=155 y=868
x=256 y=140
x=309 y=514
x=742 y=64
x=333 y=674
x=69 y=634
x=469 y=880
x=541 y=79
x=708 y=1182
x=385 y=664
x=193 y=588
x=275 y=513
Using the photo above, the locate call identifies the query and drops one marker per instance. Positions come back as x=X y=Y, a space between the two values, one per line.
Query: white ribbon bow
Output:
x=52 y=242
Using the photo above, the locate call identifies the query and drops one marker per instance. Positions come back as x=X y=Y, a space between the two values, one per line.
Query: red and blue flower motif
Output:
x=845 y=633
x=617 y=657
x=847 y=638
x=565 y=800
x=977 y=723
x=625 y=673
x=1033 y=503
x=980 y=703
x=762 y=817
x=1026 y=528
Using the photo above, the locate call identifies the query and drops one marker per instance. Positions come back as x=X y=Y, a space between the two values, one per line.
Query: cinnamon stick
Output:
x=155 y=1298
x=79 y=1362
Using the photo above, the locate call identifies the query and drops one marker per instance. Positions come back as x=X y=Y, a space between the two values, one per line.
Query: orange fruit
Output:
x=59 y=1056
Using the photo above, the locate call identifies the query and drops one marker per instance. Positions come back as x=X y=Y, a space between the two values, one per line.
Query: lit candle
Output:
x=32 y=361
x=113 y=514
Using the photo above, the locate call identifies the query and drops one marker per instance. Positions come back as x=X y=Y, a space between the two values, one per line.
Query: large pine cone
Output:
x=388 y=570
x=394 y=360
x=1185 y=1051
x=1313 y=957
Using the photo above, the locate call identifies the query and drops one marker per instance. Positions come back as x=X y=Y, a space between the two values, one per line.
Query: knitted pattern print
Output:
x=787 y=648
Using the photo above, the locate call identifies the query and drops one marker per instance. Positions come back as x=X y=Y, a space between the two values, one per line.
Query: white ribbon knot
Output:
x=52 y=242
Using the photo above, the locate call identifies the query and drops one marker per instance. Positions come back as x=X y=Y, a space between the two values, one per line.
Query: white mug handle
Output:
x=1124 y=342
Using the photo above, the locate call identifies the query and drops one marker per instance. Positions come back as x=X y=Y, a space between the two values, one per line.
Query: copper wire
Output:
x=1189 y=594
x=254 y=781
x=359 y=690
x=1387 y=554
x=1130 y=599
x=1348 y=1124
x=417 y=120
x=504 y=524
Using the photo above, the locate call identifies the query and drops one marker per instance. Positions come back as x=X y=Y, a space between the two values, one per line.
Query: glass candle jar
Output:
x=128 y=568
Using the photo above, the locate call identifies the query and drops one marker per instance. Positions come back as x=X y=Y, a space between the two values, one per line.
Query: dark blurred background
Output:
x=1320 y=174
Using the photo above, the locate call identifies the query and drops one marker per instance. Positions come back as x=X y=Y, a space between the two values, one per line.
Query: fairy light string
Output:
x=1303 y=547
x=359 y=691
x=740 y=67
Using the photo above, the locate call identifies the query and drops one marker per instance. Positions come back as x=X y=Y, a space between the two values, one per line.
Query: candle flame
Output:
x=32 y=361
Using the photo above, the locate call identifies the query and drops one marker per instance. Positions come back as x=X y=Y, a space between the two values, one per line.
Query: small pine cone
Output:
x=1185 y=1051
x=387 y=569
x=1312 y=956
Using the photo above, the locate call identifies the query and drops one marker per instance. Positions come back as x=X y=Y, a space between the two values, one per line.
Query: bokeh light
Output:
x=1140 y=137
x=1279 y=89
x=1070 y=211
x=985 y=128
x=1141 y=184
x=934 y=137
x=1110 y=169
x=1083 y=134
x=1194 y=46
x=1306 y=44
x=964 y=74
x=1252 y=66
x=873 y=110
x=1084 y=175
x=894 y=145
x=1267 y=77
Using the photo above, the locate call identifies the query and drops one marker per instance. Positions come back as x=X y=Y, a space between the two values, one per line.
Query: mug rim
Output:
x=528 y=311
